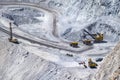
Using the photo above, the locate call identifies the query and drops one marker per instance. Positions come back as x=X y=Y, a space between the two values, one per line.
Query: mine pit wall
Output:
x=110 y=68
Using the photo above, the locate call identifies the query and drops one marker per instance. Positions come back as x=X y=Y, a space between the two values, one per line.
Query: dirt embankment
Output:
x=110 y=68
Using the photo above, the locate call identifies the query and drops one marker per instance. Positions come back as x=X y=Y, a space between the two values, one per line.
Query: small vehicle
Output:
x=99 y=59
x=70 y=55
x=83 y=63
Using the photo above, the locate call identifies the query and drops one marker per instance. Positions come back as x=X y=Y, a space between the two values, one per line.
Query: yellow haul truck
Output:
x=74 y=44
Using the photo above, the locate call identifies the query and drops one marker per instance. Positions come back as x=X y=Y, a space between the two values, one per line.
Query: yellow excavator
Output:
x=97 y=37
x=74 y=44
x=11 y=36
x=92 y=64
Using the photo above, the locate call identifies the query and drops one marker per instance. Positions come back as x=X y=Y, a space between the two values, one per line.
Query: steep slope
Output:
x=110 y=68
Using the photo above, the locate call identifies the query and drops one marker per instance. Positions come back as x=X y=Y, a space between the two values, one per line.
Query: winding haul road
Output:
x=43 y=42
x=52 y=13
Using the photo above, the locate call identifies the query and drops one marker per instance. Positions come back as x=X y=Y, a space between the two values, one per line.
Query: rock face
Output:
x=110 y=69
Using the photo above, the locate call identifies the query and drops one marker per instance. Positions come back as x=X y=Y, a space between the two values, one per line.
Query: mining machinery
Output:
x=98 y=37
x=74 y=44
x=92 y=64
x=11 y=39
x=87 y=41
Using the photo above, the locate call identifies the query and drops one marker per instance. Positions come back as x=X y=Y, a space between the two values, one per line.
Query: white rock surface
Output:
x=72 y=16
x=18 y=64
